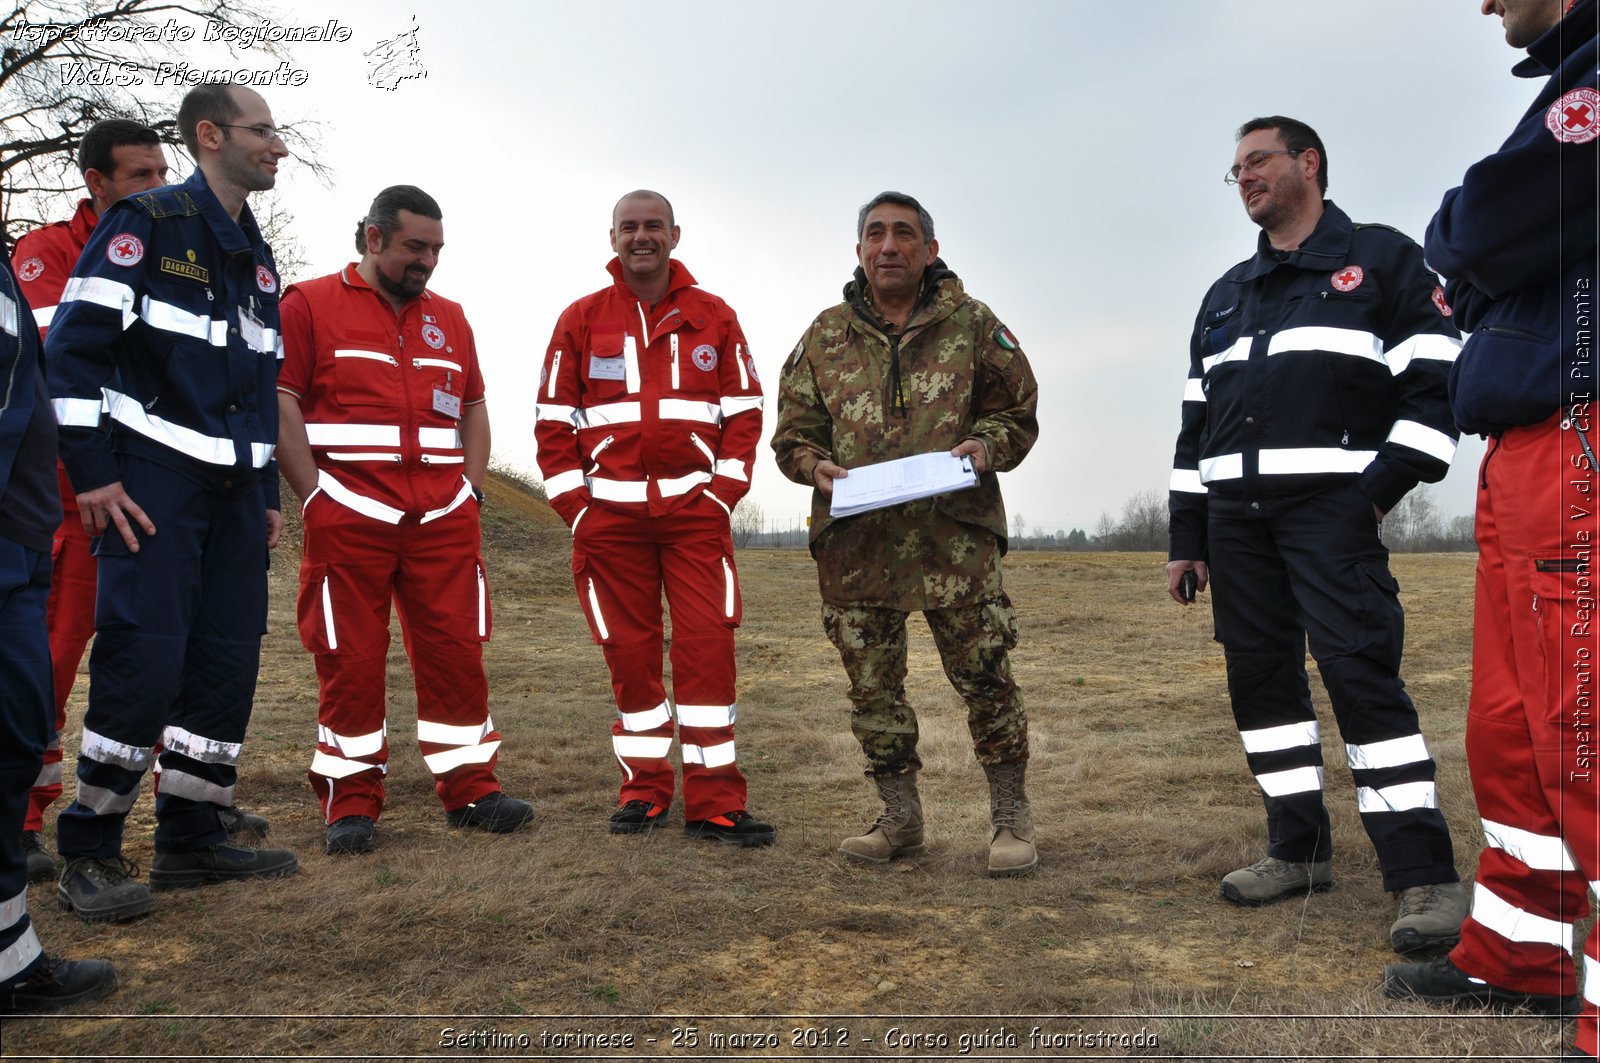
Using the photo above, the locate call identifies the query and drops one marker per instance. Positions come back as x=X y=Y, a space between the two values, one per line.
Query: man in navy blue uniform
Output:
x=30 y=507
x=1517 y=244
x=171 y=323
x=1315 y=401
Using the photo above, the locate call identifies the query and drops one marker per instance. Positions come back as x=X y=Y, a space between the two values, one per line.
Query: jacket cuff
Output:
x=1385 y=485
x=270 y=489
x=728 y=490
x=569 y=505
x=89 y=460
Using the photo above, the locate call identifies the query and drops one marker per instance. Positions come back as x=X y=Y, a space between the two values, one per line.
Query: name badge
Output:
x=446 y=403
x=252 y=331
x=614 y=368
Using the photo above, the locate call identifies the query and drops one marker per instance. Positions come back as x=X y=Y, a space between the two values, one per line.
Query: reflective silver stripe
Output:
x=360 y=503
x=594 y=455
x=1292 y=460
x=363 y=455
x=376 y=356
x=43 y=315
x=1287 y=736
x=439 y=438
x=101 y=291
x=1222 y=467
x=646 y=719
x=562 y=482
x=20 y=954
x=1187 y=480
x=733 y=469
x=1437 y=348
x=1430 y=441
x=450 y=759
x=1194 y=390
x=1401 y=797
x=198 y=747
x=454 y=734
x=744 y=374
x=630 y=356
x=733 y=405
x=77 y=413
x=178 y=783
x=1293 y=781
x=130 y=412
x=8 y=315
x=1516 y=924
x=608 y=413
x=483 y=602
x=437 y=363
x=367 y=745
x=717 y=756
x=328 y=627
x=353 y=435
x=1357 y=343
x=545 y=411
x=171 y=318
x=1238 y=352
x=450 y=507
x=729 y=589
x=675 y=379
x=641 y=747
x=577 y=519
x=12 y=909
x=1591 y=980
x=1392 y=753
x=700 y=445
x=103 y=802
x=712 y=495
x=594 y=606
x=555 y=367
x=50 y=774
x=331 y=767
x=673 y=486
x=685 y=410
x=443 y=459
x=620 y=490
x=707 y=715
x=1541 y=852
x=99 y=748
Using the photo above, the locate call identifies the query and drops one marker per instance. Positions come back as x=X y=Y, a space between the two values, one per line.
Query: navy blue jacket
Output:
x=1516 y=243
x=32 y=504
x=170 y=318
x=1310 y=369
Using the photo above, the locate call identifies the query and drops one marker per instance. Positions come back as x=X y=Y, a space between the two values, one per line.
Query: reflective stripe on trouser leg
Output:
x=872 y=645
x=973 y=641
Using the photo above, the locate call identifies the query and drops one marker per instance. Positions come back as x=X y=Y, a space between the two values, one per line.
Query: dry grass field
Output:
x=564 y=941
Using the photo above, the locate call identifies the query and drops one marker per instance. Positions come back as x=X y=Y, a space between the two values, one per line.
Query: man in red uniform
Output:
x=649 y=412
x=384 y=435
x=117 y=158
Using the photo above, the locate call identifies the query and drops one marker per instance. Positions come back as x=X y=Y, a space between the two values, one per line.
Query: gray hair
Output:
x=898 y=199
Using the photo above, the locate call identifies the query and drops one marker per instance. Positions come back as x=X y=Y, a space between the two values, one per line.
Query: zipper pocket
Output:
x=697 y=441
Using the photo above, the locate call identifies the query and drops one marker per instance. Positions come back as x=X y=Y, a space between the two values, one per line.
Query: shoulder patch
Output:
x=1575 y=117
x=794 y=355
x=31 y=269
x=167 y=204
x=125 y=249
x=1004 y=338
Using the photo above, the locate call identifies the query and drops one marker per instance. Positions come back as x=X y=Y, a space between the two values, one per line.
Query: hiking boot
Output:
x=41 y=865
x=1270 y=879
x=1011 y=848
x=1442 y=982
x=352 y=834
x=56 y=983
x=637 y=817
x=1430 y=917
x=495 y=813
x=738 y=827
x=219 y=863
x=103 y=890
x=239 y=823
x=898 y=831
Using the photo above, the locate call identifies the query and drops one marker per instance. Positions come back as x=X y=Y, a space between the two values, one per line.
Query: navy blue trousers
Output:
x=27 y=724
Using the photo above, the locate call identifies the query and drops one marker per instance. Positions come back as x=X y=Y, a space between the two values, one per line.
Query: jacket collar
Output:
x=1327 y=246
x=940 y=286
x=243 y=235
x=678 y=276
x=83 y=221
x=1576 y=28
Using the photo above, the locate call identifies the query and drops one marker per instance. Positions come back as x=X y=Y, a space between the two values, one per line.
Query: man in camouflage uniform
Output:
x=909 y=364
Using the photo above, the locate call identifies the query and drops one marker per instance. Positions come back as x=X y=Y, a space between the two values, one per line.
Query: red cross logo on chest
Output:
x=1348 y=279
x=1572 y=118
x=125 y=249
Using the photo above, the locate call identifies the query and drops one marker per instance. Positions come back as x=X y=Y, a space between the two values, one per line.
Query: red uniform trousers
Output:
x=621 y=563
x=70 y=619
x=1531 y=735
x=354 y=565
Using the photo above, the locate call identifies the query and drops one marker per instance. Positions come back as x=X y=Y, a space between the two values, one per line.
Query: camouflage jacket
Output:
x=960 y=376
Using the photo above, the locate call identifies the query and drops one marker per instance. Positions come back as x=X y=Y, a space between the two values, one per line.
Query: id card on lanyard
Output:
x=446 y=401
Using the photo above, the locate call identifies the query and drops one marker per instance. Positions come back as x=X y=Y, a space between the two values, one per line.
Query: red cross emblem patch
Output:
x=31 y=269
x=1438 y=300
x=265 y=280
x=704 y=357
x=1575 y=117
x=125 y=249
x=1348 y=279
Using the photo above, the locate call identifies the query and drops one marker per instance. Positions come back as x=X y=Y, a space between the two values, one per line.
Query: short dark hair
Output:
x=94 y=150
x=211 y=102
x=899 y=199
x=1296 y=136
x=386 y=208
x=645 y=193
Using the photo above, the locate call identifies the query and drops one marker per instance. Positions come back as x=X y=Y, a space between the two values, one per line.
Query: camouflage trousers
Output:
x=972 y=642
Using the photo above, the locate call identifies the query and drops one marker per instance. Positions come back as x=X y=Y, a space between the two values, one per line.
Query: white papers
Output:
x=889 y=483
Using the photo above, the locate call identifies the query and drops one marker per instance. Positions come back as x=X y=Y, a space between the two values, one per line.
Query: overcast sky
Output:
x=1071 y=154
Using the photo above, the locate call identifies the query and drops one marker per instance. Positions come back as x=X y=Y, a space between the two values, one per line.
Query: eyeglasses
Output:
x=265 y=132
x=1254 y=161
